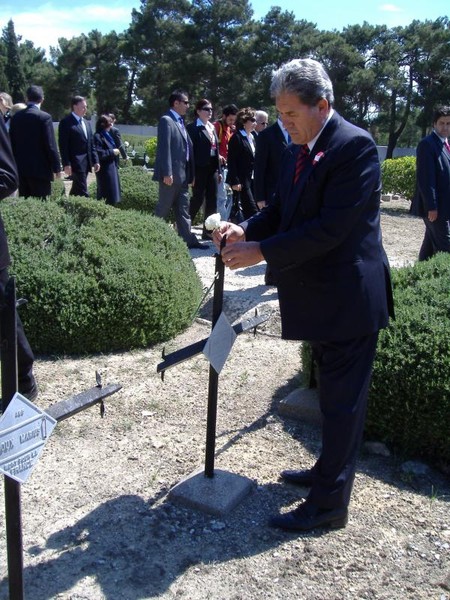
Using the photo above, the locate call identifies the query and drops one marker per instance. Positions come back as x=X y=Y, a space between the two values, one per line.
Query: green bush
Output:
x=398 y=176
x=139 y=191
x=97 y=279
x=409 y=399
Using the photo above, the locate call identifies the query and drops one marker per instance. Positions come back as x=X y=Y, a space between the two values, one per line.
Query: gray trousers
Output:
x=176 y=196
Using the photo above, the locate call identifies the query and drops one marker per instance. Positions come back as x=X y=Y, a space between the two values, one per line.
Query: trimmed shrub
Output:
x=410 y=393
x=398 y=176
x=409 y=399
x=139 y=191
x=98 y=279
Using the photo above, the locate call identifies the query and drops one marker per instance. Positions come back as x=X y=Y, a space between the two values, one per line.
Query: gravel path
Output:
x=97 y=524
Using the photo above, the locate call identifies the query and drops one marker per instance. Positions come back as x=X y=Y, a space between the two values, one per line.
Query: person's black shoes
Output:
x=308 y=516
x=198 y=246
x=30 y=389
x=305 y=477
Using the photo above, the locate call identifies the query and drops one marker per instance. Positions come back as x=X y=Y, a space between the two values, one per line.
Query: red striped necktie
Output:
x=447 y=145
x=302 y=159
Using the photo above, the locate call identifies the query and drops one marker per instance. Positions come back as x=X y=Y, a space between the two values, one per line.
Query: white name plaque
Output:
x=24 y=430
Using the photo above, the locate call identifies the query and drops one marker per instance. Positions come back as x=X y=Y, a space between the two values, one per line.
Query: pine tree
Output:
x=13 y=67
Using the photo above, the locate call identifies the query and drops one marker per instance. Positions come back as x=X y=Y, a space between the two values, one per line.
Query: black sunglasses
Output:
x=206 y=109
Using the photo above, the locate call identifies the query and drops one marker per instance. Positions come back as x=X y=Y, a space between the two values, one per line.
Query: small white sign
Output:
x=24 y=430
x=219 y=343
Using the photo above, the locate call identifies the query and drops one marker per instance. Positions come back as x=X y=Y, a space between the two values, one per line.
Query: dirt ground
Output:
x=97 y=524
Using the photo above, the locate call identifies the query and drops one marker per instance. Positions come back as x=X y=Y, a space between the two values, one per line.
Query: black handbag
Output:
x=236 y=214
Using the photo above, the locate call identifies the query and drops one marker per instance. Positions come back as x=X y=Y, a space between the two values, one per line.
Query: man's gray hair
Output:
x=304 y=77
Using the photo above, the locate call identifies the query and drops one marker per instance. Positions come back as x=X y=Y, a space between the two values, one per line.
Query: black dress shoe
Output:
x=198 y=246
x=305 y=477
x=30 y=390
x=308 y=516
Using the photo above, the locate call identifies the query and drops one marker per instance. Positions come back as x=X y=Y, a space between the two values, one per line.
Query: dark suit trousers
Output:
x=204 y=190
x=249 y=207
x=437 y=238
x=79 y=184
x=345 y=369
x=25 y=357
x=31 y=187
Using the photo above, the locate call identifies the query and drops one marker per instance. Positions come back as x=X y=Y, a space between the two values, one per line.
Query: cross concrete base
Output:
x=216 y=495
x=302 y=404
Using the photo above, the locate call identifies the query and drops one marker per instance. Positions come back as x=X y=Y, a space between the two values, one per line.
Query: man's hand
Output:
x=168 y=180
x=261 y=204
x=231 y=232
x=432 y=215
x=242 y=254
x=68 y=171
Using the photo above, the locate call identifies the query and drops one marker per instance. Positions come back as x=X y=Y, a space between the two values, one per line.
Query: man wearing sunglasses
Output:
x=174 y=167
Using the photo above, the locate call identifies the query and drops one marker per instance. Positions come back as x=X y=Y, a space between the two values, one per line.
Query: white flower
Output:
x=213 y=222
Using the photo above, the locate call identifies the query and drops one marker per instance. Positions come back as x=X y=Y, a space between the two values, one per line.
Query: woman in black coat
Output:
x=241 y=161
x=108 y=184
x=208 y=171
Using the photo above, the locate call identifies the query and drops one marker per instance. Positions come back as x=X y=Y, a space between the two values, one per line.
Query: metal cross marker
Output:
x=216 y=350
x=24 y=429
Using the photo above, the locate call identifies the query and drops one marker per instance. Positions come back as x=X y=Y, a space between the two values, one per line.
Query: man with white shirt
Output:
x=262 y=121
x=34 y=146
x=174 y=167
x=77 y=149
x=432 y=198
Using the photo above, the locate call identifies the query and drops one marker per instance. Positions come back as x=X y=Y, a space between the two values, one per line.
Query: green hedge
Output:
x=96 y=278
x=409 y=400
x=398 y=176
x=410 y=393
x=139 y=191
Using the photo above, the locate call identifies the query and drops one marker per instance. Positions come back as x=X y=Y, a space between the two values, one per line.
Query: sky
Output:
x=43 y=22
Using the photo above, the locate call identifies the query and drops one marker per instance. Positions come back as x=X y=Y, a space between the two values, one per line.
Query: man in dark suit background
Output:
x=34 y=147
x=432 y=198
x=174 y=167
x=8 y=184
x=321 y=236
x=270 y=146
x=78 y=154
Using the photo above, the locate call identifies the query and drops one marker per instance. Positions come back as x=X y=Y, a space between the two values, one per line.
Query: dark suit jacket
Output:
x=270 y=145
x=34 y=144
x=115 y=134
x=171 y=152
x=432 y=178
x=321 y=237
x=76 y=151
x=241 y=160
x=108 y=186
x=9 y=182
x=201 y=143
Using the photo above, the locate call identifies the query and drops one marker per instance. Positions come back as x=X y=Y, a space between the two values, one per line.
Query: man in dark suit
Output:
x=78 y=154
x=321 y=236
x=270 y=146
x=432 y=198
x=8 y=184
x=34 y=147
x=174 y=168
